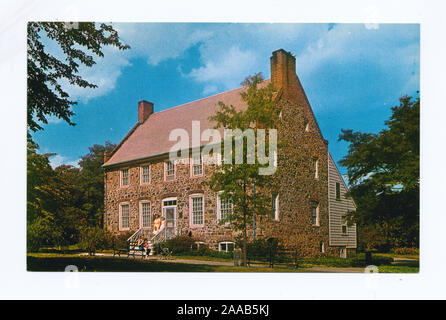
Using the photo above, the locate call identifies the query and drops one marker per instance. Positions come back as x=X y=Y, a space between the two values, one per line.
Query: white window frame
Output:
x=174 y=171
x=199 y=243
x=120 y=216
x=192 y=164
x=276 y=209
x=226 y=243
x=317 y=224
x=141 y=217
x=121 y=175
x=307 y=126
x=322 y=247
x=316 y=168
x=219 y=218
x=142 y=172
x=191 y=218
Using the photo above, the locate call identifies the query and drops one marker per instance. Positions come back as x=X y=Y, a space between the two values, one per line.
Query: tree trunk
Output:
x=245 y=240
x=368 y=258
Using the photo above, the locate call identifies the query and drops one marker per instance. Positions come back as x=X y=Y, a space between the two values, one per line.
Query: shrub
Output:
x=42 y=232
x=180 y=244
x=262 y=249
x=207 y=253
x=120 y=241
x=353 y=260
x=403 y=251
x=92 y=239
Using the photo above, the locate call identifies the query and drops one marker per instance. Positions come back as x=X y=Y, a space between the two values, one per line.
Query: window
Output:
x=307 y=126
x=226 y=246
x=124 y=223
x=344 y=229
x=225 y=208
x=145 y=174
x=198 y=244
x=125 y=177
x=275 y=206
x=197 y=165
x=169 y=171
x=315 y=214
x=169 y=203
x=338 y=191
x=197 y=212
x=316 y=168
x=145 y=214
x=321 y=247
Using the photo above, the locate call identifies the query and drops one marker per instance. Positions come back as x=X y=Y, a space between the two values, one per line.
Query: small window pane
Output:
x=225 y=208
x=338 y=191
x=314 y=214
x=197 y=165
x=315 y=168
x=145 y=174
x=145 y=207
x=170 y=170
x=125 y=177
x=125 y=216
x=197 y=210
x=273 y=205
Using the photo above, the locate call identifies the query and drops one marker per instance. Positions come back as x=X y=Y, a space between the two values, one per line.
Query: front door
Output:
x=169 y=214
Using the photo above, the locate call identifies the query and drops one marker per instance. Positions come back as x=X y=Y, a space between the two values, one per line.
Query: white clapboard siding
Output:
x=338 y=208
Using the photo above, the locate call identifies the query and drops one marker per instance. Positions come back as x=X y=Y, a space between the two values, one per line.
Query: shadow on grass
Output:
x=109 y=264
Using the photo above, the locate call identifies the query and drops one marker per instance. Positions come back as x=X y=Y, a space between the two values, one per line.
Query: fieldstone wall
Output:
x=181 y=188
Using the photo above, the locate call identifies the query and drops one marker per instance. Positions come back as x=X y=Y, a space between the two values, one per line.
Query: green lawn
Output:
x=398 y=269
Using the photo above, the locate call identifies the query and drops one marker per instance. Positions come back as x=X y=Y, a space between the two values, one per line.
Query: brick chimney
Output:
x=107 y=156
x=145 y=109
x=283 y=74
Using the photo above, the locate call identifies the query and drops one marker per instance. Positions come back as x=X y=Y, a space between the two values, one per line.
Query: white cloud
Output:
x=58 y=160
x=230 y=52
x=104 y=74
x=371 y=26
x=229 y=67
x=160 y=41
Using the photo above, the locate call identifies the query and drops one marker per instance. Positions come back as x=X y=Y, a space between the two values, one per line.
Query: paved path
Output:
x=334 y=270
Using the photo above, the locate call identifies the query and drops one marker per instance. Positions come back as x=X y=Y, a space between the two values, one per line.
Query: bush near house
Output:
x=180 y=244
x=92 y=239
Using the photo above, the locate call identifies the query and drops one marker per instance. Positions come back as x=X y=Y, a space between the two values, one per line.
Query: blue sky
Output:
x=352 y=74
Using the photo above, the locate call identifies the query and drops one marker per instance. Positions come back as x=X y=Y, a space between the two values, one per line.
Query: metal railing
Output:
x=135 y=236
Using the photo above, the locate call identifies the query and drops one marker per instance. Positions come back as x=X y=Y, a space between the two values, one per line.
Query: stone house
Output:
x=308 y=202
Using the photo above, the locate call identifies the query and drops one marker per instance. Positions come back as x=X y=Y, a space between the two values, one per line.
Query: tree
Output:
x=236 y=181
x=384 y=175
x=63 y=200
x=92 y=182
x=46 y=96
